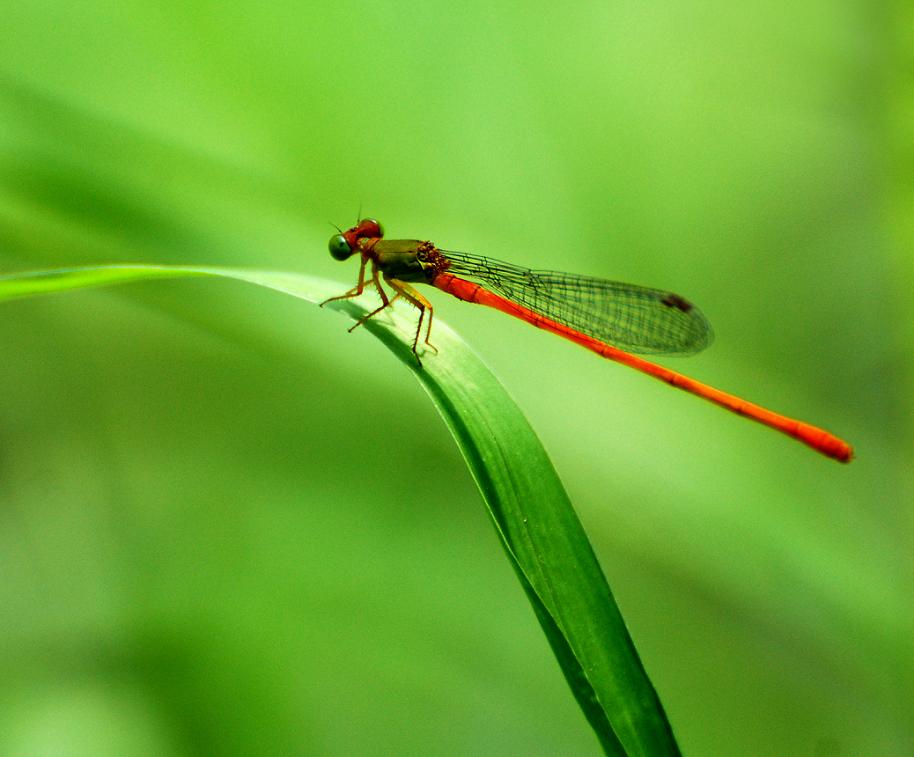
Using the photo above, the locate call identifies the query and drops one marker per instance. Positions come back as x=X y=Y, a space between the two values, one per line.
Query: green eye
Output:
x=339 y=247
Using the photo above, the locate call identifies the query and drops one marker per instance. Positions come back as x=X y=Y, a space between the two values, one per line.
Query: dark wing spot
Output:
x=675 y=301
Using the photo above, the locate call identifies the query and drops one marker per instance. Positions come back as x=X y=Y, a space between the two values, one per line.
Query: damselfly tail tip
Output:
x=846 y=454
x=835 y=448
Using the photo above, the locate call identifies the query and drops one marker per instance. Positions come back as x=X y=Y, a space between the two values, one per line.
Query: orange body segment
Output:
x=817 y=438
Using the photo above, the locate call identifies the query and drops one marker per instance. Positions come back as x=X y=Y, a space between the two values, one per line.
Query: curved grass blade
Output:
x=533 y=516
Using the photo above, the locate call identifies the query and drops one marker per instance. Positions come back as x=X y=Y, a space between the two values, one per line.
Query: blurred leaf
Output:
x=533 y=516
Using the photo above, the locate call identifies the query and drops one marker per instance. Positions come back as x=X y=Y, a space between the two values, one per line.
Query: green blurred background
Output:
x=228 y=527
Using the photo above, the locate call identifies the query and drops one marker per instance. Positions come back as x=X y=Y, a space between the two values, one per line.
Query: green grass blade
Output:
x=533 y=516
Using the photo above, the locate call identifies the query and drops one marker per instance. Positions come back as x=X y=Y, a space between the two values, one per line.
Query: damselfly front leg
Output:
x=356 y=290
x=385 y=300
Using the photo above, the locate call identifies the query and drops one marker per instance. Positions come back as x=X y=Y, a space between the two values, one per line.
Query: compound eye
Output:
x=369 y=227
x=339 y=247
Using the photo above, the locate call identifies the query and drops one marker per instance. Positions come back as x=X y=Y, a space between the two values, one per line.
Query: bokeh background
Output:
x=228 y=527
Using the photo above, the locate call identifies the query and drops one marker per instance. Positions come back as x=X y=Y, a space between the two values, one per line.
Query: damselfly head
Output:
x=369 y=227
x=347 y=243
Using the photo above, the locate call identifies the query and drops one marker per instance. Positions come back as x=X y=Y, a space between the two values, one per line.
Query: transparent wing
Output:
x=633 y=318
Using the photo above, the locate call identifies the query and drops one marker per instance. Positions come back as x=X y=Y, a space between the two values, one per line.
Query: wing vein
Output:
x=635 y=318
